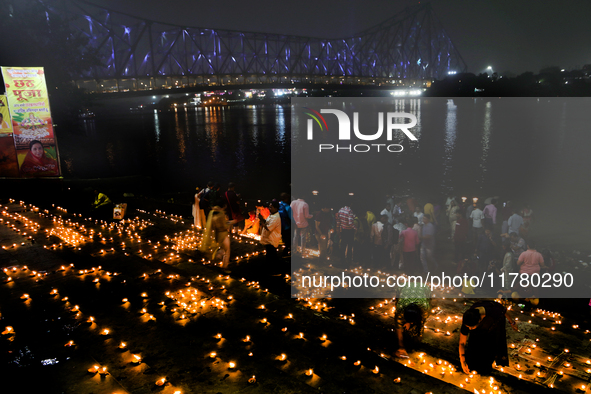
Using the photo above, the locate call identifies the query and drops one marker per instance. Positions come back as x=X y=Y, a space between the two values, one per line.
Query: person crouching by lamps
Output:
x=102 y=206
x=413 y=303
x=484 y=323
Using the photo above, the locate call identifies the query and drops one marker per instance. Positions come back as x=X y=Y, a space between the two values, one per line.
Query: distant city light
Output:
x=404 y=93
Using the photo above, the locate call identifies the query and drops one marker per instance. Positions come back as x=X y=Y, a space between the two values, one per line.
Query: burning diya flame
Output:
x=105 y=332
x=8 y=330
x=161 y=382
x=231 y=365
x=70 y=343
x=25 y=297
x=376 y=370
x=252 y=380
x=212 y=354
x=310 y=372
x=136 y=359
x=356 y=363
x=397 y=380
x=94 y=369
x=283 y=357
x=103 y=371
x=122 y=345
x=218 y=336
x=343 y=358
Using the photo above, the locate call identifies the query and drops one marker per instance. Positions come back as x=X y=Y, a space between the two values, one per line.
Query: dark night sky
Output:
x=509 y=35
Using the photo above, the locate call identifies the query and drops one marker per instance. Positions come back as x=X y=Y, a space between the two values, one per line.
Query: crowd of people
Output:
x=404 y=235
x=219 y=213
x=489 y=236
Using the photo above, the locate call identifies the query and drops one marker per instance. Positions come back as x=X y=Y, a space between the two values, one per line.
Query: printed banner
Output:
x=5 y=123
x=28 y=103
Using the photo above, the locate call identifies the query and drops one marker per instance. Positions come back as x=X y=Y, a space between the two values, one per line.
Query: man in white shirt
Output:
x=271 y=234
x=477 y=217
x=418 y=214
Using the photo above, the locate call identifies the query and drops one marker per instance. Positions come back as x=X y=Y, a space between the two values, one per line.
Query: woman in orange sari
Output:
x=37 y=163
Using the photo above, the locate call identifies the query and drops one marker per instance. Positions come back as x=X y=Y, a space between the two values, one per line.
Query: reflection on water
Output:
x=156 y=126
x=486 y=130
x=180 y=135
x=450 y=142
x=465 y=146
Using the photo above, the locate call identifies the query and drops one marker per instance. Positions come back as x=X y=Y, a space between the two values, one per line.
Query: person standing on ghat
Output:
x=515 y=222
x=505 y=215
x=346 y=229
x=214 y=195
x=460 y=237
x=204 y=201
x=451 y=213
x=428 y=244
x=410 y=242
x=301 y=214
x=377 y=250
x=271 y=235
x=428 y=209
x=323 y=223
x=233 y=210
x=286 y=215
x=198 y=222
x=477 y=217
x=490 y=215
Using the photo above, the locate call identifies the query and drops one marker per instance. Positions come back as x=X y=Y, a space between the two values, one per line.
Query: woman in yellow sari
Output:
x=215 y=236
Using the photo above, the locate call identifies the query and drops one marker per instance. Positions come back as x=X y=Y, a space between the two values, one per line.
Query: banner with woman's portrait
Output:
x=32 y=127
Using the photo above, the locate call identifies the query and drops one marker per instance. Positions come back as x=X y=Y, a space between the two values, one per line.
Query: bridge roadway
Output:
x=352 y=89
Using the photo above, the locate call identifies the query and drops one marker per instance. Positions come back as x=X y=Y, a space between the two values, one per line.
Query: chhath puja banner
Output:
x=28 y=103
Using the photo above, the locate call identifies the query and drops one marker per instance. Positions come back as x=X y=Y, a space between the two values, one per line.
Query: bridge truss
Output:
x=141 y=54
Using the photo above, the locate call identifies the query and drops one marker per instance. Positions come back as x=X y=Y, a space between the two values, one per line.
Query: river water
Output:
x=540 y=155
